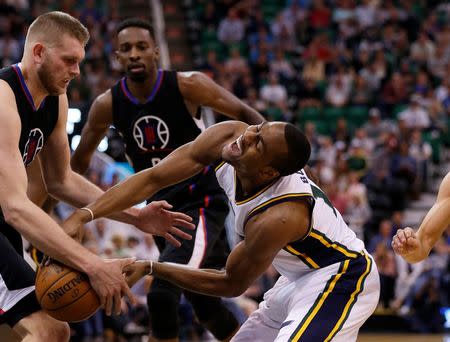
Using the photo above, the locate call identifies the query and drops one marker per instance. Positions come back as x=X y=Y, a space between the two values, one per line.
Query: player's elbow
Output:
x=234 y=288
x=13 y=212
x=79 y=165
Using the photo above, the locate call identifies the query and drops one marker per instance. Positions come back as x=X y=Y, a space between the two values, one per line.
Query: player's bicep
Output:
x=265 y=235
x=444 y=189
x=98 y=122
x=12 y=170
x=200 y=89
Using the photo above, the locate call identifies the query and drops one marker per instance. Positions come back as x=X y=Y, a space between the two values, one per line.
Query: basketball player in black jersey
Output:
x=33 y=115
x=156 y=111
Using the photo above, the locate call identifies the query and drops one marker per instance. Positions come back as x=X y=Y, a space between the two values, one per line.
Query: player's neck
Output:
x=248 y=185
x=34 y=84
x=142 y=90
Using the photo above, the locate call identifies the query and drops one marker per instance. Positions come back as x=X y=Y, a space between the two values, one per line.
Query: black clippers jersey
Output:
x=37 y=124
x=152 y=130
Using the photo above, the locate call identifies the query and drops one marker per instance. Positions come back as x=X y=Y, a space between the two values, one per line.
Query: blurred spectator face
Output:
x=100 y=227
x=132 y=242
x=386 y=228
x=137 y=53
x=397 y=219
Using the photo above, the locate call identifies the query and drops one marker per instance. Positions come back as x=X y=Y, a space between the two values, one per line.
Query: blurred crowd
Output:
x=367 y=80
x=369 y=83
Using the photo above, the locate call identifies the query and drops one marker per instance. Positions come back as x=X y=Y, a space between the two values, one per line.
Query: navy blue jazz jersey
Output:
x=152 y=130
x=37 y=123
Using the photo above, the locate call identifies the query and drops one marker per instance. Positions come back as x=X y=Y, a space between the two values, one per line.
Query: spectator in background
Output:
x=422 y=49
x=385 y=260
x=421 y=152
x=337 y=93
x=383 y=237
x=231 y=28
x=319 y=16
x=314 y=69
x=361 y=94
x=414 y=115
x=236 y=65
x=282 y=67
x=273 y=92
x=370 y=74
x=394 y=92
x=309 y=94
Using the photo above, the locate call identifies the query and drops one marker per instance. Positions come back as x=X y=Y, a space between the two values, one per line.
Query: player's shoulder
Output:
x=103 y=102
x=191 y=78
x=6 y=89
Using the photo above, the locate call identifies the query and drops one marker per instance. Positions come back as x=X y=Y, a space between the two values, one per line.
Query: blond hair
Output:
x=51 y=26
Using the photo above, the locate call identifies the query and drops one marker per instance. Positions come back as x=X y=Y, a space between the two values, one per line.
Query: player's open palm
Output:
x=406 y=244
x=110 y=284
x=157 y=219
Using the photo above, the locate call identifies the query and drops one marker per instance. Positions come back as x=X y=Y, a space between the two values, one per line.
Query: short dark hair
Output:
x=299 y=151
x=136 y=22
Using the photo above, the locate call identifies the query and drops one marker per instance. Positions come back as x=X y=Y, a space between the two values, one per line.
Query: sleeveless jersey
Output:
x=152 y=130
x=329 y=239
x=36 y=124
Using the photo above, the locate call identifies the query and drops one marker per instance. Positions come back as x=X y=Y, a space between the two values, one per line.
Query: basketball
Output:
x=65 y=294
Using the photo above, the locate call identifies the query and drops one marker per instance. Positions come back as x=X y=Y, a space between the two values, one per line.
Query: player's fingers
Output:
x=127 y=292
x=183 y=223
x=180 y=233
x=172 y=240
x=176 y=215
x=164 y=204
x=126 y=261
x=117 y=303
x=398 y=246
x=108 y=305
x=401 y=236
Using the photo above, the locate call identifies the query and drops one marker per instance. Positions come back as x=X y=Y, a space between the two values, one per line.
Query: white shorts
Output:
x=331 y=303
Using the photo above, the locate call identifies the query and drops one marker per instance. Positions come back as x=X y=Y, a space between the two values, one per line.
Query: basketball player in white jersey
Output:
x=416 y=246
x=329 y=285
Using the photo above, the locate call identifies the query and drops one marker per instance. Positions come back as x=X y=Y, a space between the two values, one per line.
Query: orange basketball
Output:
x=65 y=294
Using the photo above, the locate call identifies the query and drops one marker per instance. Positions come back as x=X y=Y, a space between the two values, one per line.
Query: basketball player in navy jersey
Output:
x=329 y=284
x=156 y=111
x=33 y=115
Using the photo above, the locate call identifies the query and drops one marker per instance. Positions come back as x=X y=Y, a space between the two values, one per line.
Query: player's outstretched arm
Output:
x=266 y=234
x=98 y=121
x=200 y=90
x=184 y=162
x=416 y=246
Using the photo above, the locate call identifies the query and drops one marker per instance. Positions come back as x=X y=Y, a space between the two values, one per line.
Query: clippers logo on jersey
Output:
x=151 y=133
x=34 y=144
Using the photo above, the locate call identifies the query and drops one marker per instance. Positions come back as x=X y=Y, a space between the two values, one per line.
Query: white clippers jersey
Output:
x=329 y=241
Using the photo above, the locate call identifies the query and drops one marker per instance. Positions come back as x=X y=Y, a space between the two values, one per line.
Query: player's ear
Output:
x=156 y=53
x=38 y=52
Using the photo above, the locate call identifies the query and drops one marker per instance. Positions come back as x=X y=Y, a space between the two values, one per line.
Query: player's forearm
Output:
x=42 y=232
x=80 y=163
x=434 y=224
x=250 y=115
x=205 y=281
x=79 y=192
